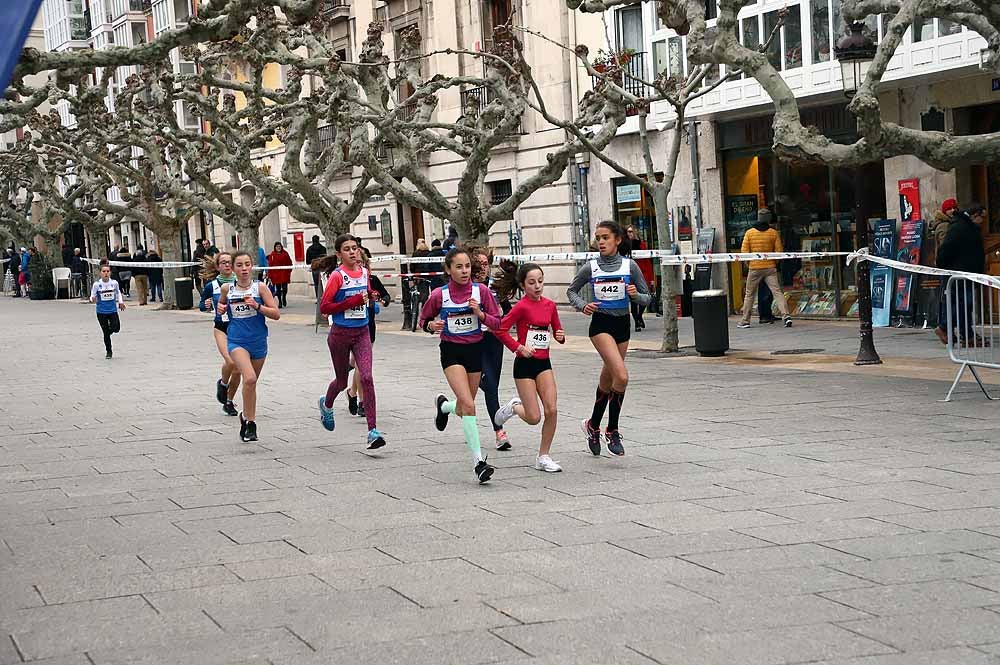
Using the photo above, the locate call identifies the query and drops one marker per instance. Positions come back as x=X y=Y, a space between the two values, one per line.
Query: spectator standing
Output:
x=25 y=273
x=141 y=275
x=279 y=258
x=155 y=276
x=15 y=270
x=125 y=272
x=198 y=256
x=962 y=249
x=646 y=266
x=436 y=250
x=761 y=238
x=420 y=250
x=313 y=252
x=77 y=272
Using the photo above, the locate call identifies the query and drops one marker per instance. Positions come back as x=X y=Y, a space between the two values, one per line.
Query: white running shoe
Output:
x=506 y=412
x=545 y=463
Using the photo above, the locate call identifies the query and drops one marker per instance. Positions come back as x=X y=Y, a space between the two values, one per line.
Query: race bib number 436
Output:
x=539 y=339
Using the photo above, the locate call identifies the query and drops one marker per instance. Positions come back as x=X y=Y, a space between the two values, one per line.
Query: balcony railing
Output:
x=634 y=72
x=480 y=97
x=337 y=9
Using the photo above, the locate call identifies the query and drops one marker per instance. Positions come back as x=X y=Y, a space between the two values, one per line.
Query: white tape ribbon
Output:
x=863 y=255
x=669 y=258
x=144 y=264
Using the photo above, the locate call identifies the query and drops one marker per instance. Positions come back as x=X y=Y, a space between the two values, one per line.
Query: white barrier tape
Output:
x=406 y=274
x=668 y=258
x=863 y=255
x=144 y=264
x=402 y=258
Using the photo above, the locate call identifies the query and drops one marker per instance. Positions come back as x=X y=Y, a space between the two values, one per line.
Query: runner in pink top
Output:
x=537 y=324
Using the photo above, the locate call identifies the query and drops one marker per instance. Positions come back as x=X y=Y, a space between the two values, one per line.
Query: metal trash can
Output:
x=711 y=322
x=184 y=290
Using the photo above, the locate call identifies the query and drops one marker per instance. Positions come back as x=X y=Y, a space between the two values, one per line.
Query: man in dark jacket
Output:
x=15 y=269
x=313 y=252
x=962 y=249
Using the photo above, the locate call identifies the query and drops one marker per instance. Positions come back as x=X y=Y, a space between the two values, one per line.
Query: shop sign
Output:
x=911 y=235
x=909 y=199
x=628 y=193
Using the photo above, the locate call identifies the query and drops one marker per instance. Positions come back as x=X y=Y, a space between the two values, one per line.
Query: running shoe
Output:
x=243 y=427
x=375 y=439
x=503 y=443
x=326 y=415
x=251 y=432
x=229 y=408
x=546 y=464
x=107 y=355
x=614 y=438
x=593 y=436
x=361 y=410
x=506 y=412
x=484 y=471
x=221 y=391
x=788 y=322
x=352 y=404
x=742 y=325
x=441 y=419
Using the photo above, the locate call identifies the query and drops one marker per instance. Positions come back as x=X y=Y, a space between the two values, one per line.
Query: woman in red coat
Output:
x=280 y=278
x=646 y=266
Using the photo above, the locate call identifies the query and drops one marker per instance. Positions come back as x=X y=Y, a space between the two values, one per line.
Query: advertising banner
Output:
x=911 y=235
x=881 y=276
x=909 y=199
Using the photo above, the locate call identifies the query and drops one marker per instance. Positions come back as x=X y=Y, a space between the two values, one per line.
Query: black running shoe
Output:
x=484 y=471
x=352 y=404
x=229 y=408
x=441 y=419
x=361 y=409
x=107 y=356
x=251 y=432
x=593 y=437
x=614 y=438
x=243 y=427
x=221 y=391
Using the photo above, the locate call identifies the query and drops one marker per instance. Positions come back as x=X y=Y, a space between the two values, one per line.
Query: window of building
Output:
x=946 y=27
x=923 y=29
x=499 y=191
x=660 y=58
x=822 y=29
x=785 y=51
x=711 y=10
x=675 y=57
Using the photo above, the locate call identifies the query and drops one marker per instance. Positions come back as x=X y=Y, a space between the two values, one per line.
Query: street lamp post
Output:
x=855 y=52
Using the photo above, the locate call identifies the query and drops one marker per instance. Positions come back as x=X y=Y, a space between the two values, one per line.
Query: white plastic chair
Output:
x=61 y=275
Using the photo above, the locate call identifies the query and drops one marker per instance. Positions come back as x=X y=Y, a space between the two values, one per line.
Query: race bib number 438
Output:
x=108 y=295
x=460 y=324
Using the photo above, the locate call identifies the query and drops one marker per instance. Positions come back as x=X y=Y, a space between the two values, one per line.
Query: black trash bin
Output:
x=184 y=288
x=711 y=322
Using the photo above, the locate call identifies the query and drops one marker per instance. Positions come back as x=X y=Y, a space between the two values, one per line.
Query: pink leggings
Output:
x=342 y=341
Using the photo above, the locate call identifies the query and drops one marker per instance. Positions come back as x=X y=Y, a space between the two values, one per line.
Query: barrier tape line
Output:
x=863 y=255
x=669 y=258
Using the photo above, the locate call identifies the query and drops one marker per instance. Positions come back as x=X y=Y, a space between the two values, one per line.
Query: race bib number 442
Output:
x=609 y=290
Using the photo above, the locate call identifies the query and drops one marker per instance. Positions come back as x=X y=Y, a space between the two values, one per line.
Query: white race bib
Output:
x=107 y=294
x=539 y=339
x=460 y=324
x=359 y=312
x=609 y=290
x=242 y=310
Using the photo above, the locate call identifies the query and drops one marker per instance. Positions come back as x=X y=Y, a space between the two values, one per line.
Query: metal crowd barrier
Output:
x=973 y=328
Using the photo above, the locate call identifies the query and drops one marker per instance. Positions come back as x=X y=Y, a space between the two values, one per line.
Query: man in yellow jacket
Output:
x=762 y=238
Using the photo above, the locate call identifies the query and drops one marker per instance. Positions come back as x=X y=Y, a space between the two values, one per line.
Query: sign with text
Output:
x=881 y=276
x=909 y=199
x=16 y=18
x=911 y=236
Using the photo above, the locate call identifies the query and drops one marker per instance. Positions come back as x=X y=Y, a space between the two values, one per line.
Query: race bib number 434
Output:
x=242 y=310
x=609 y=290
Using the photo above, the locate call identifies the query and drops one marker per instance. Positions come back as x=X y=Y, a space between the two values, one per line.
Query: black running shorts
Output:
x=223 y=326
x=619 y=327
x=469 y=356
x=530 y=368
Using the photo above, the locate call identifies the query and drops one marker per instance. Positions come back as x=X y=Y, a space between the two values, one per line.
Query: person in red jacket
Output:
x=280 y=278
x=646 y=266
x=537 y=323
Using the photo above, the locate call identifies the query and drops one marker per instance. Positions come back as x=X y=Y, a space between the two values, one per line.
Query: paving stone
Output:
x=900 y=570
x=256 y=646
x=915 y=598
x=915 y=544
x=834 y=530
x=766 y=558
x=931 y=630
x=952 y=656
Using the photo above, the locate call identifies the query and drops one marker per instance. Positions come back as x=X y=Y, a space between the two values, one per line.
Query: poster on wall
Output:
x=685 y=237
x=741 y=214
x=909 y=199
x=911 y=234
x=703 y=271
x=628 y=193
x=881 y=276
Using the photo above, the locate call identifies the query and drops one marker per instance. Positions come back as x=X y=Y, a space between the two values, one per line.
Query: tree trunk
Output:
x=249 y=237
x=669 y=275
x=170 y=246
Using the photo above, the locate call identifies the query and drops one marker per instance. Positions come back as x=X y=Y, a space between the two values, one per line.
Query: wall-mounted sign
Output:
x=628 y=193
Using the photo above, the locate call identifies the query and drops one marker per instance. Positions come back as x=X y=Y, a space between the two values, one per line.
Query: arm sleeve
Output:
x=206 y=293
x=503 y=332
x=554 y=321
x=573 y=292
x=376 y=284
x=745 y=247
x=431 y=308
x=490 y=307
x=118 y=293
x=643 y=296
x=93 y=290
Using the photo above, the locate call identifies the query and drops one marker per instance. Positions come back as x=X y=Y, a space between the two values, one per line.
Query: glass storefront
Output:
x=814 y=207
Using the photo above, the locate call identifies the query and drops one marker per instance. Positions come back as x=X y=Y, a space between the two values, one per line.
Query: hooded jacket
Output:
x=963 y=247
x=761 y=238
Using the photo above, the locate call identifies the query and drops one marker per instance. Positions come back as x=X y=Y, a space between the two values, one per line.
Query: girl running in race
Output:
x=482 y=258
x=356 y=393
x=537 y=323
x=248 y=303
x=108 y=296
x=614 y=283
x=458 y=311
x=347 y=298
x=218 y=270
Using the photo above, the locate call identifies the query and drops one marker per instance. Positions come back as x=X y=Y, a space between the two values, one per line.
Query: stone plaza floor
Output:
x=771 y=509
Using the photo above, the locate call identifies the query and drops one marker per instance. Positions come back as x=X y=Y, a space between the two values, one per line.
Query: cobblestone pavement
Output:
x=763 y=515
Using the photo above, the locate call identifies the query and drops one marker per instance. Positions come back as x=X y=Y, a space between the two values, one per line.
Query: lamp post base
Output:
x=867 y=355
